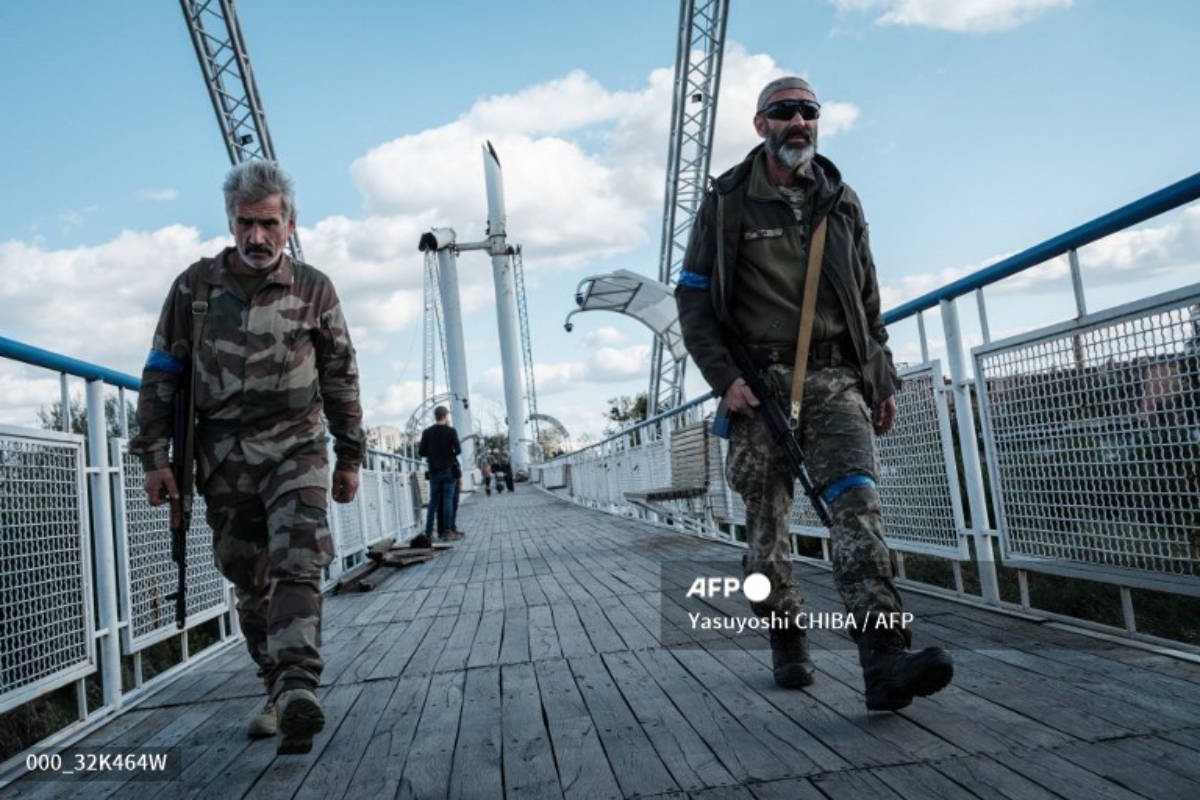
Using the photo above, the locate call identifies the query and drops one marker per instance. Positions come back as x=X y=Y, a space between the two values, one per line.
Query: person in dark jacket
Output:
x=743 y=279
x=440 y=448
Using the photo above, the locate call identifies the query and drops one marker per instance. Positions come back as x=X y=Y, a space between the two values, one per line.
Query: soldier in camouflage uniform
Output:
x=743 y=278
x=275 y=353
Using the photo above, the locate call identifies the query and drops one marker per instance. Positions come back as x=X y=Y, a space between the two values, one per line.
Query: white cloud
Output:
x=552 y=379
x=74 y=218
x=23 y=390
x=604 y=337
x=158 y=195
x=584 y=174
x=97 y=303
x=959 y=16
x=583 y=166
x=393 y=405
x=612 y=364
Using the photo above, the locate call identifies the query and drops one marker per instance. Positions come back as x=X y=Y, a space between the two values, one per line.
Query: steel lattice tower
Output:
x=697 y=81
x=217 y=37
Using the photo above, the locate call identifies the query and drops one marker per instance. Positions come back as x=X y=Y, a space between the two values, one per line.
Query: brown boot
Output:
x=789 y=658
x=894 y=676
x=300 y=718
x=265 y=723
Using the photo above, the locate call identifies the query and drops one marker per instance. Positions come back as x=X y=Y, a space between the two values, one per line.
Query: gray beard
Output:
x=791 y=157
x=265 y=268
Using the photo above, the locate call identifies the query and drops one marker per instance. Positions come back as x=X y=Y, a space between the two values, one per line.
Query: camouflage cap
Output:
x=778 y=85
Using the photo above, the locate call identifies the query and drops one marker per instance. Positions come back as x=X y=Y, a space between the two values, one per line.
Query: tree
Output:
x=51 y=417
x=626 y=411
x=551 y=443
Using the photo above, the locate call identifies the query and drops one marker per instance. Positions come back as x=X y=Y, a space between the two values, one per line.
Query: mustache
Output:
x=258 y=249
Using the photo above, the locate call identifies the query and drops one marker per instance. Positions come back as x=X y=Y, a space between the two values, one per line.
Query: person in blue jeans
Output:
x=440 y=449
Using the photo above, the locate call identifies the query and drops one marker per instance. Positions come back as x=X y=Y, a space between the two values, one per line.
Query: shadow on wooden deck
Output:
x=528 y=663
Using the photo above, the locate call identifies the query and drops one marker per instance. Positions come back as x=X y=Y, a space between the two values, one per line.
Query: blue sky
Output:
x=971 y=130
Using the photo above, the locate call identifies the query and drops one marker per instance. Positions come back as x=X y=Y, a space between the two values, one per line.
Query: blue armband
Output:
x=843 y=485
x=164 y=362
x=694 y=280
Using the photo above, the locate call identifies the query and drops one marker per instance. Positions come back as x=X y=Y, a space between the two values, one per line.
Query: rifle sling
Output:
x=187 y=469
x=808 y=307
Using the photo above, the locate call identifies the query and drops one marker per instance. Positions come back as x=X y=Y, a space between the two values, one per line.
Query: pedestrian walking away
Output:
x=743 y=282
x=485 y=474
x=274 y=355
x=440 y=448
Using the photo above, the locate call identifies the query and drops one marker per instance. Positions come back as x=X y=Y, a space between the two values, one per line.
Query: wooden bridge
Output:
x=528 y=663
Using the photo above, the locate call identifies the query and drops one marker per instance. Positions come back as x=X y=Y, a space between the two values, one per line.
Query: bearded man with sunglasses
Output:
x=743 y=279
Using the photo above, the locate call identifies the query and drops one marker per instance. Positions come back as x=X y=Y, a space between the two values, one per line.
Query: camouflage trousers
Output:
x=838 y=439
x=271 y=539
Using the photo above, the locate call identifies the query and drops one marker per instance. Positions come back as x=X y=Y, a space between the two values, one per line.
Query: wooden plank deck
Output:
x=527 y=663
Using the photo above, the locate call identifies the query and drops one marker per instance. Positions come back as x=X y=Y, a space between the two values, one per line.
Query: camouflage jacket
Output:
x=267 y=367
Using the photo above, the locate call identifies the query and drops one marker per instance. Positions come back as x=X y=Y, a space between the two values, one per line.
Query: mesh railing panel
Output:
x=371 y=498
x=389 y=498
x=718 y=490
x=144 y=553
x=46 y=631
x=350 y=528
x=1093 y=440
x=920 y=501
x=917 y=488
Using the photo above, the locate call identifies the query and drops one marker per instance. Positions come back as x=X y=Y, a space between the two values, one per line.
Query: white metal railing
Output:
x=918 y=483
x=1092 y=436
x=1092 y=464
x=85 y=561
x=1089 y=430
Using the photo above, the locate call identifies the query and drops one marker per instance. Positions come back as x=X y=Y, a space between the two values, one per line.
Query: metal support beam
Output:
x=697 y=80
x=221 y=51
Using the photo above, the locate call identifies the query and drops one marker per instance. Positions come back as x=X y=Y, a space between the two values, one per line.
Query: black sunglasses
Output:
x=784 y=110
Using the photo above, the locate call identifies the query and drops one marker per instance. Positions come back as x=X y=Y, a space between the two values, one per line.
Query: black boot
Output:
x=893 y=675
x=789 y=658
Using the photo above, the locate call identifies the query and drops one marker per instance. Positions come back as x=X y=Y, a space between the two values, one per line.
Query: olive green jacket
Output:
x=707 y=285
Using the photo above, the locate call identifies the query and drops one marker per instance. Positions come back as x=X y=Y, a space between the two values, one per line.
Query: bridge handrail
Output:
x=1138 y=211
x=111 y=549
x=644 y=424
x=36 y=356
x=955 y=473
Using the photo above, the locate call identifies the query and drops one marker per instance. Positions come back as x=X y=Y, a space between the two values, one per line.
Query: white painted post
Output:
x=968 y=444
x=103 y=548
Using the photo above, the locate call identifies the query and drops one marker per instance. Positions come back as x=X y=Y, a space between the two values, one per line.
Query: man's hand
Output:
x=739 y=399
x=345 y=485
x=160 y=486
x=885 y=416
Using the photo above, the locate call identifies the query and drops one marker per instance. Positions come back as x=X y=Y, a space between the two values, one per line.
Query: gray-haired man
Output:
x=274 y=354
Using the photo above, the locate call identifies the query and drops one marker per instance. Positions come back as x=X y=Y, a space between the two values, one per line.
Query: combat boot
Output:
x=789 y=658
x=265 y=723
x=894 y=676
x=300 y=718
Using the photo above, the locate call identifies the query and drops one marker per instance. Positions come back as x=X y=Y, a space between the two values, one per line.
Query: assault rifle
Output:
x=183 y=454
x=182 y=465
x=780 y=428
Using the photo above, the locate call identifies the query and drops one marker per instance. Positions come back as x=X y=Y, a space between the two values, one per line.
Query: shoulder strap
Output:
x=808 y=307
x=199 y=311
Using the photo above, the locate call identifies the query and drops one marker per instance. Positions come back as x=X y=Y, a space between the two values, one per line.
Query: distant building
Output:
x=385 y=437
